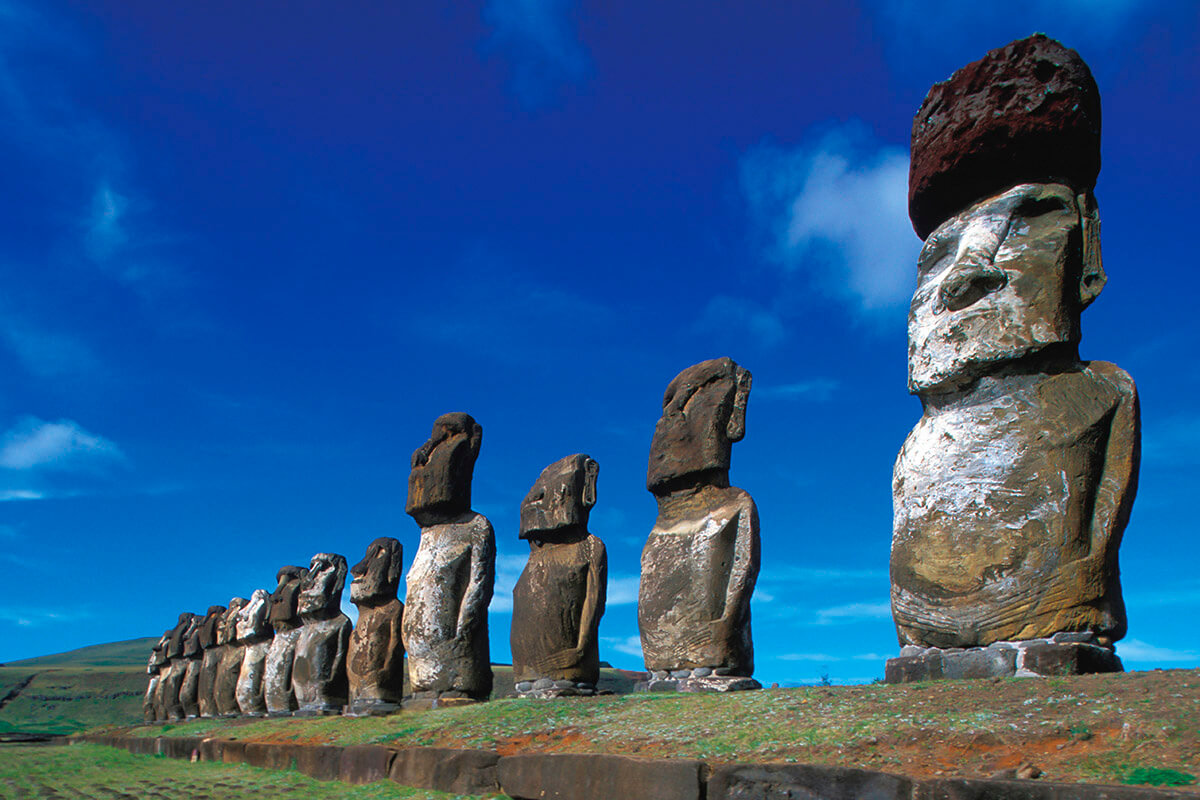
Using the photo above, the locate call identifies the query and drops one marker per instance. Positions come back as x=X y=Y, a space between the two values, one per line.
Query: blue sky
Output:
x=249 y=251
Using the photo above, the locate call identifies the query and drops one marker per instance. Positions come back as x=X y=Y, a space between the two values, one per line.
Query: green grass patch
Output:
x=1157 y=776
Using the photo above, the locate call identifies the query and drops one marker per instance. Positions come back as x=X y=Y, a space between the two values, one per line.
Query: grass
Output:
x=89 y=771
x=1156 y=776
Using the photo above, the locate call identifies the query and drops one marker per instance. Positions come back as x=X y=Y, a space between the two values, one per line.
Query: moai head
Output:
x=158 y=653
x=179 y=635
x=210 y=626
x=253 y=620
x=704 y=413
x=191 y=642
x=561 y=499
x=285 y=598
x=321 y=589
x=377 y=576
x=1005 y=154
x=439 y=485
x=227 y=627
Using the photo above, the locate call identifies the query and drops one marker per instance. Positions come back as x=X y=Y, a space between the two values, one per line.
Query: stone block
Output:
x=955 y=789
x=233 y=752
x=446 y=770
x=210 y=749
x=322 y=762
x=570 y=776
x=269 y=755
x=1046 y=658
x=973 y=662
x=179 y=746
x=365 y=763
x=780 y=781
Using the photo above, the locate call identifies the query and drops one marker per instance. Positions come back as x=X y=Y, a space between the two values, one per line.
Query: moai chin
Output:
x=1012 y=492
x=700 y=563
x=376 y=658
x=229 y=668
x=451 y=578
x=193 y=654
x=559 y=599
x=210 y=661
x=254 y=634
x=176 y=667
x=278 y=694
x=151 y=700
x=319 y=670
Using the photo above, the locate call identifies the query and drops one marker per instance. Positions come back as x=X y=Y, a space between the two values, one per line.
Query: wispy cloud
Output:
x=622 y=590
x=45 y=354
x=508 y=571
x=27 y=617
x=810 y=575
x=852 y=612
x=629 y=645
x=724 y=313
x=1137 y=650
x=536 y=38
x=34 y=443
x=817 y=389
x=837 y=211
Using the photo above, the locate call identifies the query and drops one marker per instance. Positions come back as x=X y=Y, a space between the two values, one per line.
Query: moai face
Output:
x=321 y=589
x=210 y=626
x=178 y=636
x=704 y=413
x=561 y=499
x=158 y=653
x=191 y=645
x=227 y=628
x=252 y=621
x=1006 y=278
x=439 y=485
x=285 y=598
x=377 y=576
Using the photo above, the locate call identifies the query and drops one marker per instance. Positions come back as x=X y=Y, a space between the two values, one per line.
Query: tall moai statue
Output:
x=559 y=598
x=278 y=694
x=451 y=578
x=193 y=654
x=376 y=659
x=230 y=666
x=700 y=564
x=150 y=701
x=254 y=634
x=210 y=661
x=173 y=674
x=1012 y=492
x=319 y=670
x=285 y=617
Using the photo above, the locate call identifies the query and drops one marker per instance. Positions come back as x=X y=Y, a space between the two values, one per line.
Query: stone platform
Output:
x=1061 y=654
x=701 y=679
x=544 y=688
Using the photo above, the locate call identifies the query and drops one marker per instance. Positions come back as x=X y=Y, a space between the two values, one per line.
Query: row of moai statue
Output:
x=1011 y=494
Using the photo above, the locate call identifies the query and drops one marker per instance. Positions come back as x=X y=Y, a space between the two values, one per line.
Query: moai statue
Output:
x=154 y=670
x=1012 y=492
x=451 y=579
x=701 y=561
x=285 y=618
x=559 y=598
x=254 y=634
x=319 y=670
x=230 y=666
x=193 y=654
x=376 y=660
x=210 y=661
x=160 y=704
x=172 y=679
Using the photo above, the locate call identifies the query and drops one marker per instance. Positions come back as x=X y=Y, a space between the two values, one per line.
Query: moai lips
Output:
x=559 y=599
x=278 y=694
x=701 y=561
x=319 y=670
x=254 y=634
x=376 y=657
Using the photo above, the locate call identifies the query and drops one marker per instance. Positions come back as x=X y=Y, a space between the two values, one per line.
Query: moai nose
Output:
x=970 y=283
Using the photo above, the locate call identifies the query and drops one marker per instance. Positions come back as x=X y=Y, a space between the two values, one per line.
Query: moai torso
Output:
x=278 y=694
x=254 y=635
x=150 y=701
x=319 y=670
x=229 y=664
x=375 y=663
x=173 y=677
x=210 y=660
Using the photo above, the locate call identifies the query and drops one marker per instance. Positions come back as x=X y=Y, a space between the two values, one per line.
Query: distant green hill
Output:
x=131 y=653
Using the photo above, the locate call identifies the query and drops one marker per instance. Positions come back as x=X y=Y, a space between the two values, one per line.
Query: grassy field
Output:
x=94 y=771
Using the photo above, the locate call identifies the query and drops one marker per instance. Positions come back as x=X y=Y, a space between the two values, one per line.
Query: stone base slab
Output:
x=319 y=711
x=700 y=679
x=1062 y=654
x=424 y=701
x=370 y=708
x=545 y=688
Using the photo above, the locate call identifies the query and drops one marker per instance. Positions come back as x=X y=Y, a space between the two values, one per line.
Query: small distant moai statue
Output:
x=177 y=666
x=1012 y=492
x=376 y=661
x=559 y=599
x=162 y=706
x=210 y=661
x=230 y=666
x=154 y=670
x=700 y=564
x=278 y=693
x=319 y=670
x=193 y=654
x=451 y=579
x=254 y=634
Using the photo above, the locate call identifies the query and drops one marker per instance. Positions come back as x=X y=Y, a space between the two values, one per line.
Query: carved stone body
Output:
x=173 y=675
x=254 y=634
x=701 y=560
x=210 y=660
x=559 y=599
x=154 y=670
x=189 y=690
x=451 y=578
x=229 y=667
x=375 y=664
x=319 y=670
x=278 y=694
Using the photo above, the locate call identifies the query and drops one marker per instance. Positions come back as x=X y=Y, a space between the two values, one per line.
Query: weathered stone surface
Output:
x=233 y=752
x=936 y=664
x=151 y=700
x=269 y=755
x=319 y=670
x=173 y=678
x=364 y=764
x=1027 y=112
x=210 y=661
x=778 y=781
x=190 y=687
x=254 y=634
x=285 y=618
x=559 y=599
x=959 y=789
x=322 y=762
x=690 y=681
x=229 y=665
x=598 y=777
x=1049 y=658
x=451 y=578
x=375 y=664
x=701 y=561
x=446 y=770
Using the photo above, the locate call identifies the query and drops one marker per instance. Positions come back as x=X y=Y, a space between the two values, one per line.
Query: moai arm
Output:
x=743 y=574
x=597 y=595
x=1118 y=482
x=473 y=608
x=395 y=649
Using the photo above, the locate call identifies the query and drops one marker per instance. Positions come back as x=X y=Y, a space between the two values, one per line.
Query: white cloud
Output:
x=1137 y=650
x=45 y=354
x=622 y=590
x=629 y=645
x=34 y=444
x=809 y=575
x=808 y=657
x=7 y=495
x=723 y=313
x=536 y=38
x=348 y=608
x=508 y=571
x=35 y=617
x=817 y=389
x=106 y=233
x=837 y=211
x=852 y=612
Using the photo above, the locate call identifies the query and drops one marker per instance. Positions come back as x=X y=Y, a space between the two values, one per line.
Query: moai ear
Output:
x=591 y=469
x=396 y=553
x=476 y=439
x=736 y=428
x=1091 y=277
